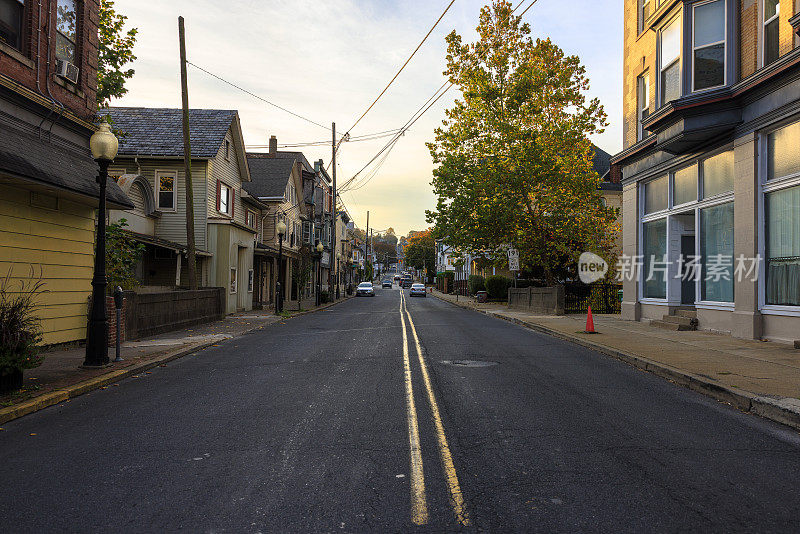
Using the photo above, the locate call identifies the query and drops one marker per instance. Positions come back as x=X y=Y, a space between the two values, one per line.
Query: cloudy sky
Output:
x=328 y=59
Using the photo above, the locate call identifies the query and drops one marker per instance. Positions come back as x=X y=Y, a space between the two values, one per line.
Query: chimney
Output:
x=273 y=146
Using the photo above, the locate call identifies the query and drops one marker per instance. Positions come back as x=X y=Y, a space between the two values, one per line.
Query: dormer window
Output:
x=670 y=62
x=11 y=17
x=708 y=45
x=772 y=9
x=66 y=31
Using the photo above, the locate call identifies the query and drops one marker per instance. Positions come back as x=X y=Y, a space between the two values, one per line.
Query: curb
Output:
x=75 y=390
x=781 y=410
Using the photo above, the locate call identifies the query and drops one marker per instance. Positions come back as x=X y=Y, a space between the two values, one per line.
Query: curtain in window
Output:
x=718 y=174
x=685 y=185
x=783 y=246
x=655 y=248
x=716 y=251
x=655 y=195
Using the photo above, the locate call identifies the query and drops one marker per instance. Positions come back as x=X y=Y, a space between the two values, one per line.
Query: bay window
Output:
x=716 y=253
x=11 y=19
x=654 y=238
x=708 y=47
x=770 y=42
x=670 y=61
x=66 y=31
x=656 y=195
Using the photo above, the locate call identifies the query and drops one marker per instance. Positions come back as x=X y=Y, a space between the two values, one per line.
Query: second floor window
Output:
x=708 y=48
x=670 y=62
x=644 y=13
x=642 y=103
x=11 y=17
x=165 y=190
x=771 y=10
x=66 y=31
x=250 y=219
x=225 y=201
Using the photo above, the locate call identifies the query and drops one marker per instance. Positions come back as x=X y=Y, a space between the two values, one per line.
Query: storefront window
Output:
x=783 y=246
x=655 y=248
x=718 y=174
x=655 y=195
x=685 y=185
x=716 y=252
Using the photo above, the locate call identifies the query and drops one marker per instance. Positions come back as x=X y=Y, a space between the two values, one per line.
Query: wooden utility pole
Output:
x=187 y=163
x=366 y=241
x=334 y=236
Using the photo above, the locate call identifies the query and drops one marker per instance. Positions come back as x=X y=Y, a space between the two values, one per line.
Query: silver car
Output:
x=365 y=289
x=417 y=290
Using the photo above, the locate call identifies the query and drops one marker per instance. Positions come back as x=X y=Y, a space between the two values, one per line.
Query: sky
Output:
x=327 y=60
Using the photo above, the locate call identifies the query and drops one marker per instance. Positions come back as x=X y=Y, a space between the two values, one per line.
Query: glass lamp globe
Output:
x=104 y=143
x=320 y=247
x=281 y=227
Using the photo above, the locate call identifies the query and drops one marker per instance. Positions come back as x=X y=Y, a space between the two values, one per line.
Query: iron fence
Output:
x=603 y=297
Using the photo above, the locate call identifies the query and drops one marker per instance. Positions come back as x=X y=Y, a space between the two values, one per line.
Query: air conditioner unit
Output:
x=67 y=70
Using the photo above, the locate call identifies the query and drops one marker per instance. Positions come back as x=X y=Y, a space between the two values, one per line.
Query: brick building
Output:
x=48 y=191
x=711 y=164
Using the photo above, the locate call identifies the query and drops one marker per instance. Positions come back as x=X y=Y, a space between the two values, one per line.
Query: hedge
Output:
x=476 y=283
x=497 y=287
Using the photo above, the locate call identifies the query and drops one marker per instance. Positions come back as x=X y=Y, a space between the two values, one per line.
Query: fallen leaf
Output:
x=33 y=433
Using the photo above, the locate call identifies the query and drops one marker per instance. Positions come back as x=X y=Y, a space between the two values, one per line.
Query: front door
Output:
x=687 y=281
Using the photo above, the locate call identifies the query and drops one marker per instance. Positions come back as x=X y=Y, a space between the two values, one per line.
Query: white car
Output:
x=417 y=290
x=365 y=289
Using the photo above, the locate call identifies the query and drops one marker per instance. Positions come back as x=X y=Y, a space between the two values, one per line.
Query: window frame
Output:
x=762 y=33
x=76 y=51
x=724 y=43
x=250 y=280
x=247 y=214
x=227 y=150
x=234 y=280
x=642 y=83
x=20 y=30
x=220 y=189
x=677 y=19
x=157 y=189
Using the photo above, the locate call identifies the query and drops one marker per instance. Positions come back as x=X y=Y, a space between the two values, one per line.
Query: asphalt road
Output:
x=313 y=426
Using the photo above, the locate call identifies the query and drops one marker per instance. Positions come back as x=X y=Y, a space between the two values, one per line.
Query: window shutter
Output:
x=219 y=191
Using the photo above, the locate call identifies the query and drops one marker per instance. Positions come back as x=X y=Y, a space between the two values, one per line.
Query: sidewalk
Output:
x=754 y=376
x=61 y=377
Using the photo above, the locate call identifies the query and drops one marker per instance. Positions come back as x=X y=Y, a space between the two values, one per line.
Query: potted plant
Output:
x=20 y=330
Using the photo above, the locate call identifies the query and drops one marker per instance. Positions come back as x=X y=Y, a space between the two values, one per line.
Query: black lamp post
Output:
x=338 y=264
x=320 y=247
x=103 y=145
x=281 y=228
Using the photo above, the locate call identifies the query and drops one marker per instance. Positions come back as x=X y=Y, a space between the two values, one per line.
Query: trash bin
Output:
x=482 y=296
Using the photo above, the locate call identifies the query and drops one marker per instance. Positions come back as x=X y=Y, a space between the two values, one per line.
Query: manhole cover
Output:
x=469 y=363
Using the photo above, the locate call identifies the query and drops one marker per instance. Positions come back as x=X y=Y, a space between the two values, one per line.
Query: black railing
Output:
x=603 y=297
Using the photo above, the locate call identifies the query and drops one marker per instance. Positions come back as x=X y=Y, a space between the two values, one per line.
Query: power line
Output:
x=365 y=137
x=220 y=78
x=404 y=65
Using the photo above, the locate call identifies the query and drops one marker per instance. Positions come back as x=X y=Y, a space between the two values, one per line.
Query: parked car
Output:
x=417 y=290
x=386 y=283
x=365 y=289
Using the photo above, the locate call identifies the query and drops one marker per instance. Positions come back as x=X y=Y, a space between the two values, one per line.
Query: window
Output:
x=224 y=199
x=66 y=30
x=250 y=280
x=655 y=195
x=718 y=174
x=684 y=186
x=771 y=14
x=782 y=212
x=166 y=190
x=644 y=13
x=783 y=157
x=670 y=61
x=716 y=253
x=643 y=103
x=307 y=231
x=250 y=218
x=708 y=50
x=233 y=280
x=11 y=18
x=227 y=150
x=655 y=250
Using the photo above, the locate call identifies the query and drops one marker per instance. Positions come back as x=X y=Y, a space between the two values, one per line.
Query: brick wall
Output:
x=21 y=66
x=748 y=37
x=111 y=309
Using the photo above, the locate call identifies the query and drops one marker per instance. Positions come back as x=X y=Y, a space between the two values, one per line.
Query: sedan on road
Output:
x=386 y=283
x=417 y=290
x=365 y=289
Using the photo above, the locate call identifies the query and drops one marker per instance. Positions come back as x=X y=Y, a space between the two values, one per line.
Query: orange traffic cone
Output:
x=589 y=322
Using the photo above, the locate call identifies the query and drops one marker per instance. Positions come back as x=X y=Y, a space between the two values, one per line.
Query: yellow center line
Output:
x=456 y=497
x=419 y=505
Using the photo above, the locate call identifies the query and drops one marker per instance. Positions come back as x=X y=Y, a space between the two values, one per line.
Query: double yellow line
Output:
x=419 y=506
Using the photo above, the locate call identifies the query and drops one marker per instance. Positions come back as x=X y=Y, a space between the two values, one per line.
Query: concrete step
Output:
x=670 y=326
x=679 y=319
x=692 y=314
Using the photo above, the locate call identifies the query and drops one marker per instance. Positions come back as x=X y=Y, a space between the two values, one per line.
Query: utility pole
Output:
x=366 y=240
x=187 y=163
x=334 y=237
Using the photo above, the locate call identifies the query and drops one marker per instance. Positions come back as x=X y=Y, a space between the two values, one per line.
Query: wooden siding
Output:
x=59 y=245
x=172 y=224
x=227 y=171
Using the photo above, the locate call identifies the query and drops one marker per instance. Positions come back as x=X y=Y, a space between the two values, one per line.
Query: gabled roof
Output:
x=159 y=131
x=601 y=160
x=270 y=174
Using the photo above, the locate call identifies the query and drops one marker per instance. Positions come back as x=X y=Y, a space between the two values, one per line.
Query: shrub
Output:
x=20 y=328
x=476 y=283
x=497 y=287
x=324 y=297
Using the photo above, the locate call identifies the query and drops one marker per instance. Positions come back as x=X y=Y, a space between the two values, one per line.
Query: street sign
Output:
x=513 y=259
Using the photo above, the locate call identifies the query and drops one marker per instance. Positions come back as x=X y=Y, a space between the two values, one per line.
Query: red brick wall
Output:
x=112 y=321
x=80 y=99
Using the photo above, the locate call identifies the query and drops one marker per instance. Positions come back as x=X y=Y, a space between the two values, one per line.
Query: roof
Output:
x=270 y=174
x=27 y=157
x=159 y=131
x=601 y=160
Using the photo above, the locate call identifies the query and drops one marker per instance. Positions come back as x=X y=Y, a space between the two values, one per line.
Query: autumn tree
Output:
x=115 y=51
x=420 y=253
x=513 y=157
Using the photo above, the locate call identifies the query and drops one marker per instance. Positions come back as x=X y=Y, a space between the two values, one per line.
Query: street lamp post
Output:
x=281 y=228
x=103 y=145
x=320 y=248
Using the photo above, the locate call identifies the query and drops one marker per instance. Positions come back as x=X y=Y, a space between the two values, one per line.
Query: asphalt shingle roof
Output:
x=159 y=131
x=601 y=160
x=270 y=175
x=25 y=156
